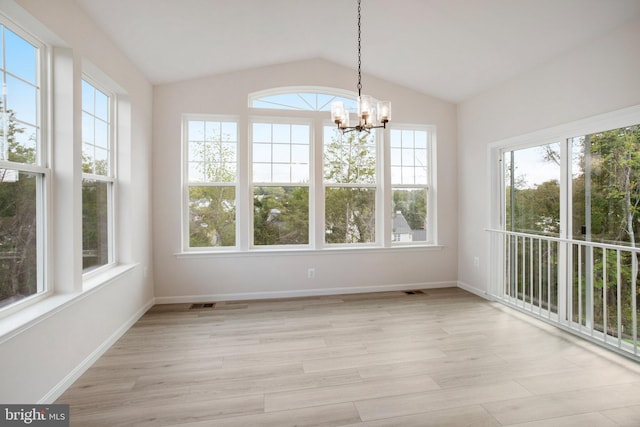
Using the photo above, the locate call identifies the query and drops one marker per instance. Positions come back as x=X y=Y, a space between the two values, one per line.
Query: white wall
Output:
x=40 y=359
x=261 y=275
x=599 y=77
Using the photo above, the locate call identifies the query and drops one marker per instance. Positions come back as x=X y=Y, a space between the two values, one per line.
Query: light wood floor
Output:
x=441 y=358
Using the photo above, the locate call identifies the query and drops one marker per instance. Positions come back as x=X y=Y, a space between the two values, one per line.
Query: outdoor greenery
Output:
x=18 y=226
x=605 y=208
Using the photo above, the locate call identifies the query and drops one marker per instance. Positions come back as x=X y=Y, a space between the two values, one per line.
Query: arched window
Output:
x=301 y=99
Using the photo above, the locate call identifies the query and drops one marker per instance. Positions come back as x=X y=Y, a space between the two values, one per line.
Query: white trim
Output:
x=334 y=249
x=243 y=296
x=473 y=290
x=81 y=368
x=30 y=316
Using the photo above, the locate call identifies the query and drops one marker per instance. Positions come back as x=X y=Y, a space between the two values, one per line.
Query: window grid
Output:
x=409 y=164
x=211 y=176
x=212 y=151
x=23 y=171
x=409 y=156
x=280 y=183
x=98 y=178
x=280 y=153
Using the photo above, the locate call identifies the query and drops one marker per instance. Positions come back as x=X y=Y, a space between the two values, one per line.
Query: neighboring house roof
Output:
x=400 y=225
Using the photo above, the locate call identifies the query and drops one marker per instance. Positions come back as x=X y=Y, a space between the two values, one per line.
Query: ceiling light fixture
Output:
x=371 y=114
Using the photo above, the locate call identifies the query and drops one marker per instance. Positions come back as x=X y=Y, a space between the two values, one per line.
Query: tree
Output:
x=212 y=209
x=350 y=210
x=18 y=218
x=281 y=215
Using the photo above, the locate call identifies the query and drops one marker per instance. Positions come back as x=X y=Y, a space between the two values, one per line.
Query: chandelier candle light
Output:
x=371 y=114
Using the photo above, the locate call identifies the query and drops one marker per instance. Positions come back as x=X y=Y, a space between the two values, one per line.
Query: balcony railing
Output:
x=587 y=288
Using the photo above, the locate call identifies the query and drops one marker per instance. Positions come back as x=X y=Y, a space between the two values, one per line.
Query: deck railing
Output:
x=588 y=288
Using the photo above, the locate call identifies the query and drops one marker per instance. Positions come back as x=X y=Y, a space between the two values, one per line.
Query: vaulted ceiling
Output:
x=452 y=49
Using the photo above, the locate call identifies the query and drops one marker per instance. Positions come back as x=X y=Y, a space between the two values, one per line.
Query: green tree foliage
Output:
x=212 y=208
x=212 y=216
x=18 y=232
x=281 y=215
x=350 y=210
x=605 y=207
x=613 y=173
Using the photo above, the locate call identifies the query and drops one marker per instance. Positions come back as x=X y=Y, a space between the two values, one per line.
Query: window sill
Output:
x=31 y=315
x=306 y=252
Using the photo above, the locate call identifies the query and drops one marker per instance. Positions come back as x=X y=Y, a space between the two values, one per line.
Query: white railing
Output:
x=587 y=288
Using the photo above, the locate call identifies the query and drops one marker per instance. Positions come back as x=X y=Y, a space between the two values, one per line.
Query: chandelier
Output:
x=372 y=114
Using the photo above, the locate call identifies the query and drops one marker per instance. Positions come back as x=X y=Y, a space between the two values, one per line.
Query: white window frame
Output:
x=430 y=226
x=41 y=168
x=317 y=120
x=186 y=118
x=377 y=186
x=497 y=221
x=252 y=185
x=110 y=179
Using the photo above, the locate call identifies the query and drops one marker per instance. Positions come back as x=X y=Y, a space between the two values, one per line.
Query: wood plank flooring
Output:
x=443 y=357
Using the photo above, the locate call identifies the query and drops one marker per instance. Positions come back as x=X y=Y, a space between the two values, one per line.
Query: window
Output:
x=565 y=247
x=212 y=163
x=350 y=186
x=410 y=179
x=532 y=182
x=97 y=178
x=303 y=100
x=23 y=171
x=283 y=178
x=280 y=153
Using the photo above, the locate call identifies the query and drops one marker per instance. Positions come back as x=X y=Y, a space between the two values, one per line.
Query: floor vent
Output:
x=203 y=306
x=413 y=292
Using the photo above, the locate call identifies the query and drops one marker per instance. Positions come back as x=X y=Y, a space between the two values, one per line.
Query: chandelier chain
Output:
x=359 y=53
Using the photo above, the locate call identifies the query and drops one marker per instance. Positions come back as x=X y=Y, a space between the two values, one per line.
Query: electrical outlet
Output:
x=476 y=262
x=311 y=273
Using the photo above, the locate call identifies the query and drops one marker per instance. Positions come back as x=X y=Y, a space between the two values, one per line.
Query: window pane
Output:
x=277 y=158
x=95 y=224
x=261 y=132
x=212 y=155
x=88 y=130
x=281 y=216
x=532 y=177
x=300 y=134
x=23 y=145
x=281 y=173
x=21 y=56
x=282 y=153
x=229 y=131
x=409 y=218
x=102 y=106
x=212 y=216
x=349 y=158
x=102 y=134
x=281 y=133
x=22 y=100
x=606 y=186
x=196 y=130
x=350 y=215
x=101 y=162
x=18 y=235
x=303 y=101
x=96 y=138
x=88 y=98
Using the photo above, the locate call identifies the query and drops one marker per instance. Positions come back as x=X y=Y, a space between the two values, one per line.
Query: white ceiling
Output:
x=452 y=49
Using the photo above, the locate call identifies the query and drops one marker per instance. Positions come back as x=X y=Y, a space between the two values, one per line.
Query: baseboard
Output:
x=474 y=290
x=243 y=296
x=68 y=380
